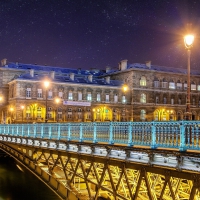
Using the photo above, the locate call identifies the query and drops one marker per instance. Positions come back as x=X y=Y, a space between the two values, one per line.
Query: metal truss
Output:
x=90 y=177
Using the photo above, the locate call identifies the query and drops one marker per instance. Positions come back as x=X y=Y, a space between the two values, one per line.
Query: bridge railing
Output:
x=169 y=134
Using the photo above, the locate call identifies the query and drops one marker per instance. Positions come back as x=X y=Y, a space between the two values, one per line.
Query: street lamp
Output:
x=57 y=100
x=22 y=107
x=46 y=85
x=188 y=41
x=125 y=89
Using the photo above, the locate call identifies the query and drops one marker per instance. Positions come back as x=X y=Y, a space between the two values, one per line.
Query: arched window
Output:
x=143 y=98
x=28 y=112
x=143 y=81
x=156 y=115
x=142 y=115
x=39 y=112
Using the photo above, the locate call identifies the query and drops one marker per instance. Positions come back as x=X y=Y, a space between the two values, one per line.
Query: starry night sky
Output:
x=98 y=33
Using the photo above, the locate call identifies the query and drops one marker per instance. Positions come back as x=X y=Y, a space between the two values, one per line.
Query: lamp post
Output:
x=46 y=85
x=57 y=100
x=22 y=107
x=188 y=40
x=125 y=89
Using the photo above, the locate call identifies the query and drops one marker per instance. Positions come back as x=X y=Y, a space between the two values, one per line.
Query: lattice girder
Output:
x=90 y=177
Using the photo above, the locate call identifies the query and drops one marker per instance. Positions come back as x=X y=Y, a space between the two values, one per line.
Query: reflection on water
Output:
x=20 y=184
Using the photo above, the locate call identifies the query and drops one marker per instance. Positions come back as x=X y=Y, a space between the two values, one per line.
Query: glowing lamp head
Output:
x=57 y=100
x=46 y=84
x=125 y=88
x=189 y=39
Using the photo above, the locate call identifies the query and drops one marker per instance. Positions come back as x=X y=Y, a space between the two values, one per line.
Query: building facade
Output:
x=155 y=93
x=158 y=93
x=72 y=96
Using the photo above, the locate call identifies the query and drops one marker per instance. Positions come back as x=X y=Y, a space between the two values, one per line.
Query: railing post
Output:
x=22 y=130
x=130 y=137
x=58 y=131
x=28 y=131
x=42 y=131
x=17 y=130
x=50 y=134
x=69 y=132
x=81 y=133
x=111 y=133
x=153 y=136
x=95 y=132
x=34 y=125
x=182 y=146
x=12 y=129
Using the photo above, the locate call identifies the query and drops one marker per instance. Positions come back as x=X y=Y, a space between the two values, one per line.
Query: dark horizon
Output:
x=86 y=34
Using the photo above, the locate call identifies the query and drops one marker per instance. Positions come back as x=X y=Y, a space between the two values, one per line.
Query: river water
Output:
x=16 y=184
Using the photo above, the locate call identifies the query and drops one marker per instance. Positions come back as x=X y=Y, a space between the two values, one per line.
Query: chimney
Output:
x=108 y=69
x=123 y=65
x=32 y=72
x=148 y=64
x=71 y=76
x=108 y=79
x=3 y=62
x=90 y=77
x=79 y=70
x=52 y=74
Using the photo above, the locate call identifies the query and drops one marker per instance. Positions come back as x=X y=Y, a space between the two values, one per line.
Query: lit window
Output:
x=80 y=96
x=143 y=81
x=156 y=84
x=39 y=112
x=164 y=84
x=107 y=97
x=185 y=86
x=60 y=94
x=193 y=87
x=179 y=101
x=116 y=98
x=89 y=96
x=98 y=97
x=143 y=115
x=28 y=112
x=171 y=85
x=28 y=92
x=50 y=96
x=198 y=87
x=179 y=86
x=143 y=98
x=172 y=100
x=70 y=96
x=123 y=99
x=157 y=99
x=79 y=110
x=39 y=94
x=156 y=116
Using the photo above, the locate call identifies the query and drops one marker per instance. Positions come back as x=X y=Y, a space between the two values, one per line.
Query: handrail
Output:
x=182 y=135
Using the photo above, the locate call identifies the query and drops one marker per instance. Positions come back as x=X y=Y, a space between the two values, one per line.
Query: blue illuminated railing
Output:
x=181 y=135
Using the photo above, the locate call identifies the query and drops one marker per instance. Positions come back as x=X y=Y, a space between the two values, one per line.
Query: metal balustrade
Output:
x=182 y=135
